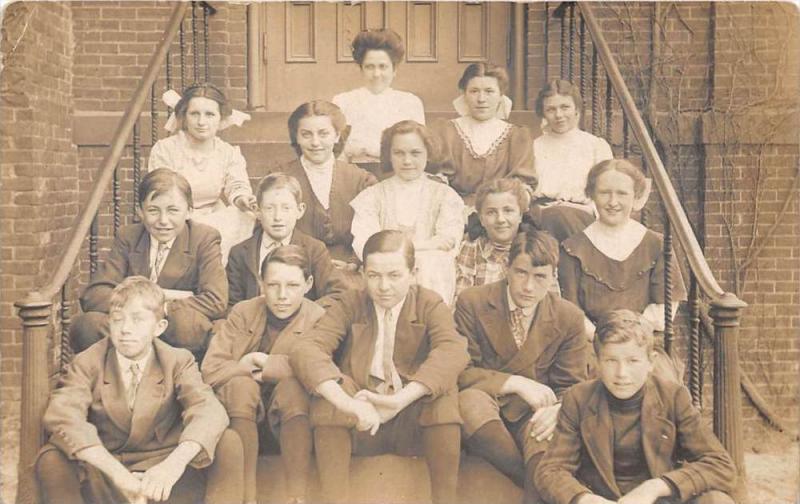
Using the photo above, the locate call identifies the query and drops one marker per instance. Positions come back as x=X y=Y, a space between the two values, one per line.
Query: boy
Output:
x=133 y=420
x=500 y=204
x=247 y=359
x=622 y=437
x=182 y=256
x=280 y=200
x=383 y=363
x=527 y=347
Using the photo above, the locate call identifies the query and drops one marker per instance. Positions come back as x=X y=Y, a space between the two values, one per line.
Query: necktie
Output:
x=518 y=327
x=134 y=385
x=391 y=379
x=161 y=256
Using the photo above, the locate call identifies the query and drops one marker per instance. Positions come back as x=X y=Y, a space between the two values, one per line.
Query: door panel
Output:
x=306 y=53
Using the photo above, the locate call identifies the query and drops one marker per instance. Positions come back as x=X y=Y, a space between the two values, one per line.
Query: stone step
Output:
x=391 y=479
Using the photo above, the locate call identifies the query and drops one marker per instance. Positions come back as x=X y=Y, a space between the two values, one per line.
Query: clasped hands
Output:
x=543 y=402
x=153 y=484
x=372 y=409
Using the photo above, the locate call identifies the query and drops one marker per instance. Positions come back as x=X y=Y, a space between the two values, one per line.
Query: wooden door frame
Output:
x=257 y=50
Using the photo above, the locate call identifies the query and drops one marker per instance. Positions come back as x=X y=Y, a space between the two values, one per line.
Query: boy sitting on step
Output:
x=133 y=421
x=631 y=437
x=280 y=201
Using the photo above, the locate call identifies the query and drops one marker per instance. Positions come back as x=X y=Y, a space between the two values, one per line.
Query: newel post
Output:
x=726 y=311
x=35 y=313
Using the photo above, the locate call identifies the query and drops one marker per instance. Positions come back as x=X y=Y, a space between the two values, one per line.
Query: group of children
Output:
x=359 y=318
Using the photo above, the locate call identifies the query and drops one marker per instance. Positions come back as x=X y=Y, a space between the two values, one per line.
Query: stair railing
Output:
x=582 y=65
x=40 y=317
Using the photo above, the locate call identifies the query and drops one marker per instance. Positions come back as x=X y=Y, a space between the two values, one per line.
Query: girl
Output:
x=317 y=130
x=376 y=106
x=480 y=145
x=429 y=211
x=215 y=169
x=562 y=157
x=617 y=263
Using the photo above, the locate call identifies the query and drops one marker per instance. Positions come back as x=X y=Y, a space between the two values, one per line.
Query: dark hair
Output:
x=291 y=255
x=484 y=69
x=621 y=326
x=378 y=40
x=163 y=180
x=540 y=246
x=390 y=240
x=319 y=108
x=206 y=90
x=511 y=185
x=558 y=87
x=403 y=128
x=138 y=287
x=280 y=180
x=622 y=166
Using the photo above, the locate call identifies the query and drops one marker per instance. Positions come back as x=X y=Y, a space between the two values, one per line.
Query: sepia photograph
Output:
x=399 y=252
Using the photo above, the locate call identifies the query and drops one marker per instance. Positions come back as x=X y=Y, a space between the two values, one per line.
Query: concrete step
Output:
x=391 y=479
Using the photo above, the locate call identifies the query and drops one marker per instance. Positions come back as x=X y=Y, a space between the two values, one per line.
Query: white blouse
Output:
x=562 y=162
x=368 y=114
x=321 y=178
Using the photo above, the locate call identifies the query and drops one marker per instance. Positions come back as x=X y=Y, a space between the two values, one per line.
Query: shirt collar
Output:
x=267 y=240
x=125 y=363
x=512 y=306
x=154 y=243
x=380 y=311
x=308 y=166
x=487 y=247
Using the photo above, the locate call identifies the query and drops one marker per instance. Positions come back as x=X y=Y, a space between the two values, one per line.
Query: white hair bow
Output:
x=171 y=99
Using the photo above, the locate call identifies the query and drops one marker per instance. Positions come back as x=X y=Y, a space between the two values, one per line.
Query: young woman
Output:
x=617 y=263
x=480 y=145
x=562 y=157
x=376 y=106
x=428 y=210
x=317 y=133
x=216 y=170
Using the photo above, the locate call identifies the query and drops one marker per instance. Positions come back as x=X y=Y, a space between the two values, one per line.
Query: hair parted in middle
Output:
x=291 y=255
x=390 y=240
x=558 y=87
x=142 y=288
x=540 y=246
x=319 y=108
x=206 y=90
x=619 y=165
x=403 y=128
x=378 y=40
x=484 y=69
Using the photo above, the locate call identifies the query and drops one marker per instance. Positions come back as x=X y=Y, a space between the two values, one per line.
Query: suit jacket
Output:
x=427 y=347
x=172 y=405
x=331 y=226
x=194 y=263
x=580 y=457
x=241 y=334
x=243 y=268
x=554 y=352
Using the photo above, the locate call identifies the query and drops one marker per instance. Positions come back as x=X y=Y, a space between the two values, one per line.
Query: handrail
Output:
x=106 y=170
x=683 y=230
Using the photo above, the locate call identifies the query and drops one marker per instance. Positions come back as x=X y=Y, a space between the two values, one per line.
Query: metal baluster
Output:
x=153 y=116
x=609 y=111
x=182 y=44
x=668 y=266
x=137 y=169
x=644 y=216
x=94 y=230
x=65 y=350
x=564 y=41
x=695 y=345
x=168 y=79
x=595 y=93
x=195 y=55
x=205 y=42
x=117 y=200
x=572 y=43
x=626 y=137
x=546 y=42
x=584 y=81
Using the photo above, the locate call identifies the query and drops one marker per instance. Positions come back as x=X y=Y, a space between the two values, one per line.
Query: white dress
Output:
x=368 y=114
x=217 y=178
x=425 y=208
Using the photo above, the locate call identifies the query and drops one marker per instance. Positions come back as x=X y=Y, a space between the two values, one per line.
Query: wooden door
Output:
x=306 y=47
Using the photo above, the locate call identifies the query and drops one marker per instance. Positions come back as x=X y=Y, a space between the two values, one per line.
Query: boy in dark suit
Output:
x=181 y=256
x=631 y=437
x=133 y=420
x=280 y=201
x=247 y=360
x=527 y=346
x=383 y=364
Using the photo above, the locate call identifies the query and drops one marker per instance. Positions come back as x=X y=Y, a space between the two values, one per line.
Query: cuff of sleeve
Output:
x=684 y=484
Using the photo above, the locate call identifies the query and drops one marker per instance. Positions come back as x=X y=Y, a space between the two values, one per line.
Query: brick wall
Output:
x=38 y=196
